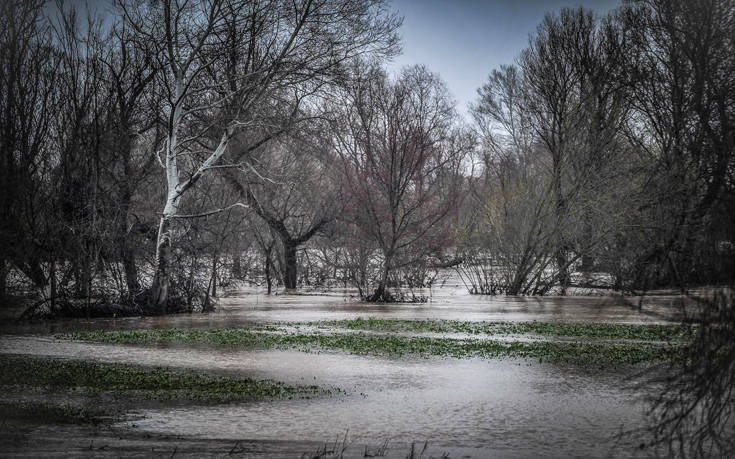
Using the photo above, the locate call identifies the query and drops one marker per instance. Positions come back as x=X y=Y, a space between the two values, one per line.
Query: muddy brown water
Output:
x=465 y=407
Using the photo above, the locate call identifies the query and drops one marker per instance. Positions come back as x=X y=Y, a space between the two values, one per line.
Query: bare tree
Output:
x=552 y=156
x=79 y=138
x=135 y=135
x=401 y=152
x=509 y=232
x=28 y=72
x=576 y=96
x=685 y=129
x=299 y=196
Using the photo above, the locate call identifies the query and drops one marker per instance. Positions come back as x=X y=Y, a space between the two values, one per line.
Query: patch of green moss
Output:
x=644 y=332
x=395 y=345
x=158 y=382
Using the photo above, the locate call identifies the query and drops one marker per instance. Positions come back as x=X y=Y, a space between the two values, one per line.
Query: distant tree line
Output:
x=153 y=155
x=607 y=148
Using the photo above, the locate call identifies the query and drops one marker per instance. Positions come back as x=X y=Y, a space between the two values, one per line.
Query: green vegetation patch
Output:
x=586 y=330
x=394 y=345
x=157 y=382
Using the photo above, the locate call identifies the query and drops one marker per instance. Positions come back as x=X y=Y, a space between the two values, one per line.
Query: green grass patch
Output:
x=394 y=345
x=582 y=330
x=159 y=383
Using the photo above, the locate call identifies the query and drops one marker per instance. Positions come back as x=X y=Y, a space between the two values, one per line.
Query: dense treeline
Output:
x=608 y=148
x=151 y=156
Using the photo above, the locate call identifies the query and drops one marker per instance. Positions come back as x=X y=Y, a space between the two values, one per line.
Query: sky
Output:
x=463 y=40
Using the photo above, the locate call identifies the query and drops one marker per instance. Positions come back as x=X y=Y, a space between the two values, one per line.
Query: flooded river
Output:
x=464 y=407
x=249 y=306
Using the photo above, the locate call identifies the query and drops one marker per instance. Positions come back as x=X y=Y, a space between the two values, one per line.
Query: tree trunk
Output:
x=127 y=253
x=236 y=266
x=268 y=281
x=289 y=265
x=77 y=271
x=214 y=275
x=560 y=255
x=131 y=270
x=562 y=266
x=161 y=280
x=381 y=293
x=52 y=279
x=189 y=288
x=208 y=305
x=160 y=288
x=4 y=271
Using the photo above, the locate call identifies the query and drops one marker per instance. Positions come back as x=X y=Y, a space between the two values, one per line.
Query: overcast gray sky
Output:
x=463 y=40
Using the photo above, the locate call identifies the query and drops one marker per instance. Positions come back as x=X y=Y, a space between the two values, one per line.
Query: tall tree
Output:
x=299 y=196
x=685 y=101
x=576 y=97
x=134 y=135
x=28 y=72
x=401 y=151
